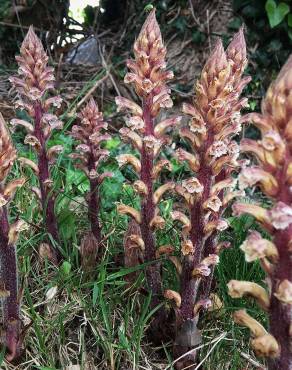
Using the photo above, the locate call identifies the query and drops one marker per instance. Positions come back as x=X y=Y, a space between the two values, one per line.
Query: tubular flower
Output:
x=9 y=292
x=214 y=119
x=273 y=153
x=148 y=74
x=35 y=80
x=88 y=155
x=264 y=344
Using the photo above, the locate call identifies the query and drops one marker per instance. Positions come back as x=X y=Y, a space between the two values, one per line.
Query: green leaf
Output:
x=122 y=336
x=2 y=355
x=66 y=220
x=113 y=143
x=95 y=294
x=276 y=13
x=111 y=190
x=290 y=20
x=66 y=268
x=78 y=179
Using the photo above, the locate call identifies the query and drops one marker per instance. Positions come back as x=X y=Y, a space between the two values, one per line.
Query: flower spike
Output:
x=214 y=119
x=148 y=74
x=9 y=290
x=273 y=153
x=88 y=155
x=35 y=80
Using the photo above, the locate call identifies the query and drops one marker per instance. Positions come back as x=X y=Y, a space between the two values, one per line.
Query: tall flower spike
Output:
x=273 y=153
x=35 y=79
x=88 y=155
x=8 y=237
x=149 y=77
x=214 y=119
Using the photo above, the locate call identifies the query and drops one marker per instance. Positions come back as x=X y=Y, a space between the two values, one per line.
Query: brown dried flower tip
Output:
x=88 y=252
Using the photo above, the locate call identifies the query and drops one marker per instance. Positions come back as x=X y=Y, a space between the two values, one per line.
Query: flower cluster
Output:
x=212 y=155
x=34 y=82
x=9 y=293
x=88 y=155
x=272 y=173
x=144 y=131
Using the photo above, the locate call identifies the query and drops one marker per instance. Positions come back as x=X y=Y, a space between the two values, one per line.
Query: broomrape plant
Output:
x=11 y=336
x=147 y=135
x=211 y=154
x=88 y=155
x=209 y=149
x=33 y=84
x=273 y=174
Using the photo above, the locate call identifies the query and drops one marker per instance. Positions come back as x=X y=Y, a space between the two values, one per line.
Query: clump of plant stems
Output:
x=11 y=335
x=208 y=148
x=35 y=80
x=148 y=136
x=88 y=155
x=273 y=174
x=212 y=157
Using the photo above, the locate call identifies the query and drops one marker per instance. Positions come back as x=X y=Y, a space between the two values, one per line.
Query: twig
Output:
x=252 y=361
x=7 y=24
x=193 y=15
x=222 y=336
x=107 y=68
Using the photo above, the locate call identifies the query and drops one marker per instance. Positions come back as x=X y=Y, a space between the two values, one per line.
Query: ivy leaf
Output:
x=77 y=178
x=66 y=220
x=276 y=13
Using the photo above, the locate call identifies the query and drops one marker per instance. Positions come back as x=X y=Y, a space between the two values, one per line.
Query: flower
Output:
x=284 y=292
x=256 y=247
x=281 y=215
x=192 y=185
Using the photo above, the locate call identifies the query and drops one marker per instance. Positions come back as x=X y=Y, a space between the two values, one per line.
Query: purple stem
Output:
x=93 y=200
x=9 y=279
x=190 y=288
x=47 y=200
x=153 y=274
